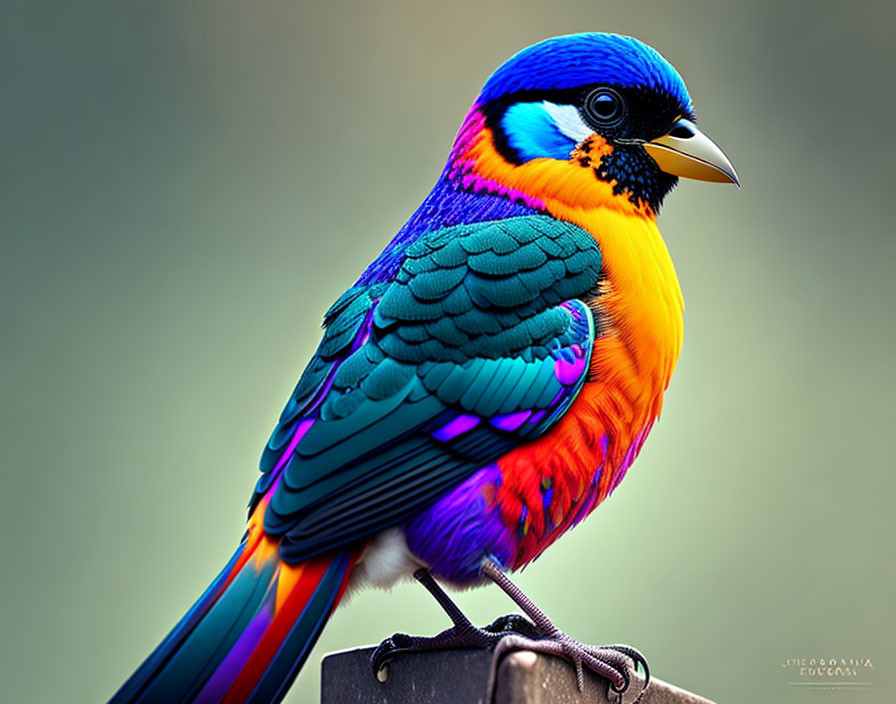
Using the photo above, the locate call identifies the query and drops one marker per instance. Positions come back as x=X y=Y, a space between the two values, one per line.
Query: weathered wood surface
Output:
x=461 y=677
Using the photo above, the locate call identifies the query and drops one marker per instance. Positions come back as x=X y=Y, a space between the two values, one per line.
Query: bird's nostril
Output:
x=682 y=132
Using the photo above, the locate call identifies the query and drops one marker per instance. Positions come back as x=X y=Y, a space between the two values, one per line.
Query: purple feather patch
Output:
x=567 y=372
x=510 y=421
x=456 y=426
x=454 y=534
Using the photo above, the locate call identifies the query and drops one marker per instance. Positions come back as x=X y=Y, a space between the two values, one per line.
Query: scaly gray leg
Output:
x=463 y=634
x=609 y=661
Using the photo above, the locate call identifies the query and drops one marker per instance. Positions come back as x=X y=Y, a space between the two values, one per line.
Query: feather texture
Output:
x=481 y=322
x=487 y=381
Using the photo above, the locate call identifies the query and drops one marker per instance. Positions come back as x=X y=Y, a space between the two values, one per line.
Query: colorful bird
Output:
x=481 y=388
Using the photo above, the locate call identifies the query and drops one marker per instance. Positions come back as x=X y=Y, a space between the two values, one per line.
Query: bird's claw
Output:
x=385 y=651
x=637 y=658
x=462 y=636
x=611 y=662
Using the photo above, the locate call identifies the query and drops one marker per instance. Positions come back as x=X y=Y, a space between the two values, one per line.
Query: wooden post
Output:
x=461 y=677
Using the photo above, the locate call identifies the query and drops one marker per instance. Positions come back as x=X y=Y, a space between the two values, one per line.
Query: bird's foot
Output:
x=461 y=635
x=612 y=662
x=512 y=633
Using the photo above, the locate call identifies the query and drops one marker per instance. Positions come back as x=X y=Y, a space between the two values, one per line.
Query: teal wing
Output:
x=480 y=343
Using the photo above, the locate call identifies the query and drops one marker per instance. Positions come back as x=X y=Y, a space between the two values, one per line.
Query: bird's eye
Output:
x=605 y=107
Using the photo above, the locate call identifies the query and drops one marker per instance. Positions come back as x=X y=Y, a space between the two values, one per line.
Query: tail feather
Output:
x=131 y=690
x=283 y=647
x=247 y=636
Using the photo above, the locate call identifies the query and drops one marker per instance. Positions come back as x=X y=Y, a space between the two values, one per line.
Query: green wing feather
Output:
x=472 y=327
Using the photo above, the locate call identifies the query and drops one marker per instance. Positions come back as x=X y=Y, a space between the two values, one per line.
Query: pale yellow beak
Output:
x=685 y=151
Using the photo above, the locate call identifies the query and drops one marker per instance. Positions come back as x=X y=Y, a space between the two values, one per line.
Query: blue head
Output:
x=576 y=61
x=565 y=96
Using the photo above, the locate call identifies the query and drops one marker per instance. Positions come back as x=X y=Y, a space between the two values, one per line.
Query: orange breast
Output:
x=552 y=483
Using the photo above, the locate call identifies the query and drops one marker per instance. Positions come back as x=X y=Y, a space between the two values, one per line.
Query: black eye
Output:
x=605 y=107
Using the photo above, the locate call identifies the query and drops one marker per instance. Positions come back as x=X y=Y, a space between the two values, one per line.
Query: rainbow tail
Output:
x=249 y=633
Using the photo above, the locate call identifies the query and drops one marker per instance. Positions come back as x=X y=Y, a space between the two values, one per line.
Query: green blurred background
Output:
x=187 y=186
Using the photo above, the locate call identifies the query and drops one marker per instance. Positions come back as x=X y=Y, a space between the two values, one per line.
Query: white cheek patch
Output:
x=568 y=121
